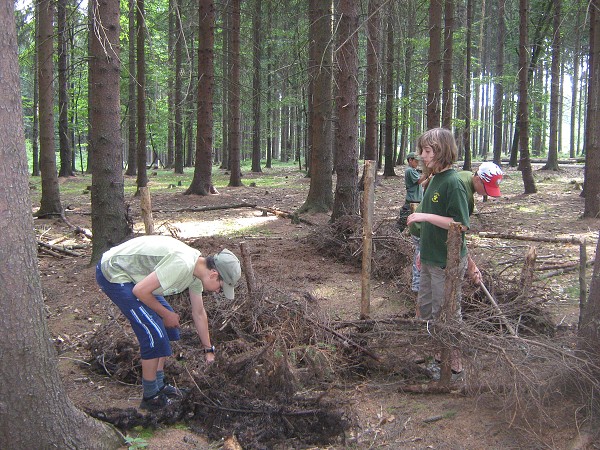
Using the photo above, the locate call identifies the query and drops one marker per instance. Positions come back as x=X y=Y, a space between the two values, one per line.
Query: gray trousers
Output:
x=431 y=290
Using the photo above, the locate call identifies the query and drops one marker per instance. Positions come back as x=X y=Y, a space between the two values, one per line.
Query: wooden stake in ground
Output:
x=450 y=307
x=248 y=269
x=146 y=207
x=367 y=214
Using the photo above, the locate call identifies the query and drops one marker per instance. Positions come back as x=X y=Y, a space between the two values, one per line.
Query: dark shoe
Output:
x=171 y=391
x=155 y=402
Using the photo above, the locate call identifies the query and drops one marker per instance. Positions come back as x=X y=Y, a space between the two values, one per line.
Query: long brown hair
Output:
x=444 y=147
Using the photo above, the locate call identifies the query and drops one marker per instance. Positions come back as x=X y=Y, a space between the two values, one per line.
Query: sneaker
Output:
x=171 y=391
x=155 y=402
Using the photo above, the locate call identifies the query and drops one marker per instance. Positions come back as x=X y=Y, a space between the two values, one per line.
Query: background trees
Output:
x=281 y=63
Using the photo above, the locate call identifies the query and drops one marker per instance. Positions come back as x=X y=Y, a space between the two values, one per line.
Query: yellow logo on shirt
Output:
x=436 y=197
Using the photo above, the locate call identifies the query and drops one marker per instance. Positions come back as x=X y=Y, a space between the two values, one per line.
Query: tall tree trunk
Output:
x=575 y=86
x=256 y=87
x=320 y=196
x=50 y=204
x=65 y=147
x=109 y=215
x=499 y=84
x=35 y=149
x=592 y=133
x=466 y=138
x=346 y=198
x=202 y=181
x=552 y=163
x=179 y=103
x=589 y=322
x=525 y=161
x=389 y=162
x=174 y=17
x=406 y=86
x=269 y=112
x=447 y=104
x=36 y=413
x=372 y=88
x=131 y=99
x=235 y=177
x=225 y=56
x=434 y=64
x=142 y=175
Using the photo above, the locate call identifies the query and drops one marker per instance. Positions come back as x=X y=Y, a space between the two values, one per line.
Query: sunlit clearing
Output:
x=223 y=227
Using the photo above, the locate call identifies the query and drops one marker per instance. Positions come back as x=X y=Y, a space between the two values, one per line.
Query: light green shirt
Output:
x=172 y=260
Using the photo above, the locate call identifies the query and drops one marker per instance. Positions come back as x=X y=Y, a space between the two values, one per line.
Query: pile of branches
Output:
x=392 y=250
x=275 y=362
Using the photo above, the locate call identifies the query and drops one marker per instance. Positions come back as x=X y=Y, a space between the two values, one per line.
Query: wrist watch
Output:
x=210 y=349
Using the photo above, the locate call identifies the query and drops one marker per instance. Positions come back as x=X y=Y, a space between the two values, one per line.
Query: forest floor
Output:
x=285 y=259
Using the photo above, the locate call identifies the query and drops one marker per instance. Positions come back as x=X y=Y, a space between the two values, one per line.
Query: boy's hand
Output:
x=171 y=320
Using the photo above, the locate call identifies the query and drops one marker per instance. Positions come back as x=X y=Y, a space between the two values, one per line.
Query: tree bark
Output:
x=466 y=137
x=235 y=143
x=320 y=196
x=499 y=84
x=525 y=162
x=142 y=174
x=179 y=103
x=552 y=163
x=36 y=412
x=65 y=147
x=389 y=162
x=372 y=88
x=50 y=204
x=346 y=201
x=131 y=100
x=434 y=64
x=202 y=181
x=447 y=104
x=109 y=214
x=256 y=87
x=592 y=134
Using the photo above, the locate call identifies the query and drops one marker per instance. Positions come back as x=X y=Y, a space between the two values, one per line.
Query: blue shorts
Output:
x=146 y=323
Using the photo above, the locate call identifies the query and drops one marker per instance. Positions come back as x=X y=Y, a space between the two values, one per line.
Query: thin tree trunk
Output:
x=466 y=139
x=142 y=174
x=389 y=162
x=552 y=163
x=434 y=64
x=447 y=108
x=179 y=103
x=131 y=99
x=65 y=147
x=50 y=204
x=235 y=178
x=499 y=84
x=372 y=88
x=525 y=162
x=256 y=87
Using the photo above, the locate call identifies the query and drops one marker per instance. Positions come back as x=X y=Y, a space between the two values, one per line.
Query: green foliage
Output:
x=135 y=443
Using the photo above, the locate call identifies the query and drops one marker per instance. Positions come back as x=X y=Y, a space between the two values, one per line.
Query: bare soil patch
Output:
x=292 y=270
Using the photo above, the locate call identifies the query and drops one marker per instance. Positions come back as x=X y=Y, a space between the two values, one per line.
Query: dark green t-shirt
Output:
x=414 y=191
x=467 y=178
x=445 y=196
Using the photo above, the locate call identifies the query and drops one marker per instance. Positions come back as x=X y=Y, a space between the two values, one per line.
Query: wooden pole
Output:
x=582 y=283
x=367 y=214
x=146 y=207
x=450 y=307
x=248 y=269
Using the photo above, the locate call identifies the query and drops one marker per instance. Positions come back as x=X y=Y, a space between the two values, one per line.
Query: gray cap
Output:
x=230 y=270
